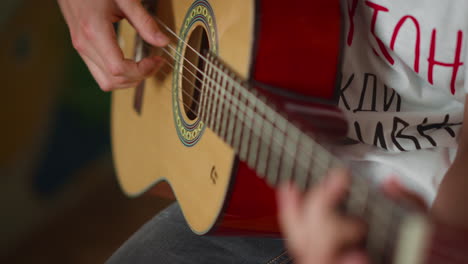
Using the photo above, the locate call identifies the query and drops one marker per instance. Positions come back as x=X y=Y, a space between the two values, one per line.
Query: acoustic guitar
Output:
x=247 y=100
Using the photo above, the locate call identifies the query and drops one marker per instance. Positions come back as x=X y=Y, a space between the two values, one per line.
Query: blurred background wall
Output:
x=59 y=200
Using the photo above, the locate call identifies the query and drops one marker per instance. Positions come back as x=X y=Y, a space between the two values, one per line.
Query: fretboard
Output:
x=278 y=150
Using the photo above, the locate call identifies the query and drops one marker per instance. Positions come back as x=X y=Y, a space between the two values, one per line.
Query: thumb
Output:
x=143 y=22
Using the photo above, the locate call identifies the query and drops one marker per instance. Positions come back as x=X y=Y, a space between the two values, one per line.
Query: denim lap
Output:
x=167 y=239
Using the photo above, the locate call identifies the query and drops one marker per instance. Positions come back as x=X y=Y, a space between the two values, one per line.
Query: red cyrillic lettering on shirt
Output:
x=455 y=65
x=351 y=13
x=377 y=8
x=417 y=45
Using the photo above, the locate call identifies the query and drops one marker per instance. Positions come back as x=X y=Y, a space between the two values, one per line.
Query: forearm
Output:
x=451 y=203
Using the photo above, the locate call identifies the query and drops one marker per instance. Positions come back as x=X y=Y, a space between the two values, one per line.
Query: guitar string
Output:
x=362 y=181
x=245 y=122
x=359 y=180
x=238 y=105
x=203 y=58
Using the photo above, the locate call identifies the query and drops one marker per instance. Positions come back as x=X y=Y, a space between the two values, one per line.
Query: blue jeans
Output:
x=167 y=239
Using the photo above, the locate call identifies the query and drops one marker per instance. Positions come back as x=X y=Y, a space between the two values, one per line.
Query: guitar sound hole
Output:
x=193 y=71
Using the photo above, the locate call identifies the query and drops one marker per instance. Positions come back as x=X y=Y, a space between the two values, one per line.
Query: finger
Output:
x=114 y=62
x=104 y=41
x=334 y=187
x=143 y=22
x=289 y=209
x=107 y=83
x=149 y=66
x=395 y=190
x=97 y=73
x=349 y=232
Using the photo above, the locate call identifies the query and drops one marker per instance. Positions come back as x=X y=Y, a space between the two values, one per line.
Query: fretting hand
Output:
x=93 y=36
x=316 y=232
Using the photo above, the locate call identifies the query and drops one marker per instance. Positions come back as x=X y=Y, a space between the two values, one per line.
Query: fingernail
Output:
x=162 y=39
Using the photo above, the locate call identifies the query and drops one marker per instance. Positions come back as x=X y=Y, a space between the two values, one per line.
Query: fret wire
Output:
x=282 y=124
x=267 y=150
x=216 y=112
x=292 y=140
x=296 y=149
x=203 y=96
x=273 y=158
x=226 y=113
x=261 y=116
x=264 y=149
x=233 y=114
x=255 y=144
x=244 y=153
x=209 y=95
x=308 y=145
x=214 y=97
x=221 y=103
x=240 y=120
x=302 y=171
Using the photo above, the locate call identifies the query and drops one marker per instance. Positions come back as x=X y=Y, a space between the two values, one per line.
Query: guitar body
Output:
x=288 y=50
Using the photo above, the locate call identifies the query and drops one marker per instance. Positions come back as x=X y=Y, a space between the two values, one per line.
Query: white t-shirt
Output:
x=402 y=87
